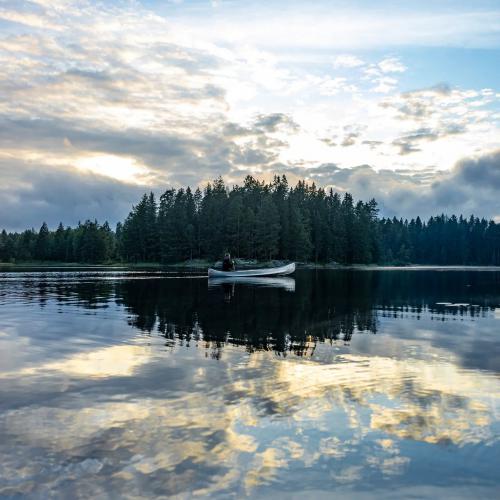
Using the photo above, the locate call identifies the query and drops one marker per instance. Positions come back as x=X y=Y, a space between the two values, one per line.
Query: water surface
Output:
x=155 y=383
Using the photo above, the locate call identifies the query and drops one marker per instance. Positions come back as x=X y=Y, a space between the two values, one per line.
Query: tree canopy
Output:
x=261 y=221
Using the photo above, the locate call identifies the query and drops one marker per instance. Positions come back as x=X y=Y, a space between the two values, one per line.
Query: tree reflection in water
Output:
x=322 y=306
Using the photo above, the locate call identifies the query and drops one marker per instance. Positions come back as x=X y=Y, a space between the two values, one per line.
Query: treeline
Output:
x=89 y=242
x=262 y=221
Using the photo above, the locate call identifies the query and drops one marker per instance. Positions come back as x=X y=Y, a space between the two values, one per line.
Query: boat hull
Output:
x=273 y=271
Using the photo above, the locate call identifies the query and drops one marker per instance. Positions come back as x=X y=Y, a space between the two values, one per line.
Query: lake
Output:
x=119 y=383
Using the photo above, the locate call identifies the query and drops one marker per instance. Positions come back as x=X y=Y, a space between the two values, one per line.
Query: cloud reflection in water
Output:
x=150 y=414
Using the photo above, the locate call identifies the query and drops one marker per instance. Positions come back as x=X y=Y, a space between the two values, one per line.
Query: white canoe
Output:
x=269 y=271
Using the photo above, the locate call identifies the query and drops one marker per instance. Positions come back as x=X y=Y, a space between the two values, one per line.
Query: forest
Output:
x=263 y=221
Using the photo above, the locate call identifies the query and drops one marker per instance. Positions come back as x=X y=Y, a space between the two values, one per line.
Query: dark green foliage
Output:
x=59 y=244
x=88 y=242
x=139 y=238
x=265 y=221
x=6 y=247
x=177 y=223
x=234 y=223
x=442 y=240
x=267 y=229
x=300 y=240
x=43 y=243
x=92 y=242
x=165 y=226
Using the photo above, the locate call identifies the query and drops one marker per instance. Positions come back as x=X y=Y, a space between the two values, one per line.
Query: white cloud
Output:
x=347 y=61
x=379 y=73
x=385 y=84
x=391 y=65
x=323 y=26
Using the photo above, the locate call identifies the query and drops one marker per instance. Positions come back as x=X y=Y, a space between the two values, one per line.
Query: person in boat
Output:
x=228 y=263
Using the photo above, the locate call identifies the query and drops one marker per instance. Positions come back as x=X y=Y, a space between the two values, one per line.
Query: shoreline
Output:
x=203 y=264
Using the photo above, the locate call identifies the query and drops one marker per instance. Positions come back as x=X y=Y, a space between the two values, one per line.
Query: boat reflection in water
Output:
x=284 y=282
x=228 y=284
x=358 y=384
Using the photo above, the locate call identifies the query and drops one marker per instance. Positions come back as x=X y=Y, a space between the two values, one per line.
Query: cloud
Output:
x=351 y=133
x=408 y=143
x=253 y=156
x=347 y=61
x=438 y=101
x=320 y=25
x=30 y=194
x=349 y=139
x=391 y=65
x=379 y=73
x=373 y=144
x=330 y=141
x=165 y=157
x=482 y=172
x=384 y=84
x=273 y=121
x=471 y=187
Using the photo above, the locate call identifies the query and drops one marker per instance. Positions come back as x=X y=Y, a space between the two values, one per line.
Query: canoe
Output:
x=269 y=271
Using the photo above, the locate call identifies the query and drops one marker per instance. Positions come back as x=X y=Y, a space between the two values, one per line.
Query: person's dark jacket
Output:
x=227 y=264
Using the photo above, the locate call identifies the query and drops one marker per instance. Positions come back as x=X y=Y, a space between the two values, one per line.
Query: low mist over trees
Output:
x=262 y=221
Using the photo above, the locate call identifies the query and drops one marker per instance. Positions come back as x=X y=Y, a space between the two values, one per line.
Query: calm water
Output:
x=139 y=384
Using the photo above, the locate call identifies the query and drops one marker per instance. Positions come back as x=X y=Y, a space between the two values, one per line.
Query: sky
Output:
x=103 y=101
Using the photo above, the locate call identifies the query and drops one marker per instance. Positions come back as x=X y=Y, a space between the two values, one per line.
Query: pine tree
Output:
x=234 y=222
x=42 y=248
x=59 y=247
x=150 y=229
x=248 y=228
x=362 y=240
x=300 y=242
x=108 y=242
x=166 y=226
x=119 y=250
x=267 y=229
x=5 y=250
x=349 y=236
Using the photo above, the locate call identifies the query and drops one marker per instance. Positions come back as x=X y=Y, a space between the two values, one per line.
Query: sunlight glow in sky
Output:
x=102 y=100
x=117 y=167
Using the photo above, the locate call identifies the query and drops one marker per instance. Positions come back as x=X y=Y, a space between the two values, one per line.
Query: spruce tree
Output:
x=42 y=248
x=267 y=229
x=59 y=247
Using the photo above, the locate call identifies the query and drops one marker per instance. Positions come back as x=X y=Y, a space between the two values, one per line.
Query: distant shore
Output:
x=205 y=264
